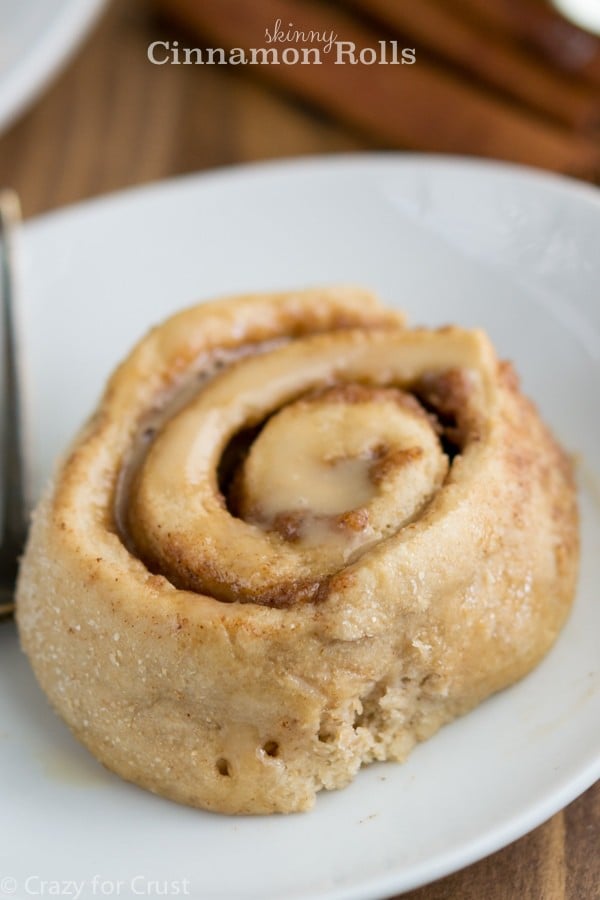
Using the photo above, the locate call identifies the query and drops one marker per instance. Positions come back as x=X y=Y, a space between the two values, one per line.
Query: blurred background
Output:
x=83 y=111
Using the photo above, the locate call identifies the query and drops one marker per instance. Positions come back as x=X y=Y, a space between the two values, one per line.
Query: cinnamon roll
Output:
x=295 y=537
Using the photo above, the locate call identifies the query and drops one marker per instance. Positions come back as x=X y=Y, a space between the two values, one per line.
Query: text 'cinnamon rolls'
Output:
x=295 y=537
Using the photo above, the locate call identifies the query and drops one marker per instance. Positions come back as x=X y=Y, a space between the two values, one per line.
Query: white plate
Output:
x=36 y=38
x=585 y=13
x=449 y=241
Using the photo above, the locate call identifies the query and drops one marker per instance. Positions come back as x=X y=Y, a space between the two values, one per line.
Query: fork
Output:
x=14 y=481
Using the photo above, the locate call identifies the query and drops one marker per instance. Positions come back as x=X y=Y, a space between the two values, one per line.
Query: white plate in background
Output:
x=36 y=39
x=448 y=241
x=585 y=13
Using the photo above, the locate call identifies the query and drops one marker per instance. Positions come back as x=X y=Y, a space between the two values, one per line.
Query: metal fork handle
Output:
x=13 y=451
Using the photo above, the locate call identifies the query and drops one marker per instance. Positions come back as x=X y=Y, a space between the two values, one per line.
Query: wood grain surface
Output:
x=112 y=120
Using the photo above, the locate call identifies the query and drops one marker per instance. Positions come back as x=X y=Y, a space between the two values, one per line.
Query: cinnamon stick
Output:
x=494 y=60
x=543 y=29
x=417 y=106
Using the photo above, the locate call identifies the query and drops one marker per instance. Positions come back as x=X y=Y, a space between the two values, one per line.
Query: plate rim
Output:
x=43 y=60
x=565 y=184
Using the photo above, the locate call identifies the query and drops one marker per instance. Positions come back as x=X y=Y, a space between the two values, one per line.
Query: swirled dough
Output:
x=295 y=537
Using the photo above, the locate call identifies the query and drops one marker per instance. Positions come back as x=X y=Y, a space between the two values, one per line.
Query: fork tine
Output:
x=15 y=501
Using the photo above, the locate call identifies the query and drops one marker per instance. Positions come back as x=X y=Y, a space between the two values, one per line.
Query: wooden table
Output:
x=112 y=120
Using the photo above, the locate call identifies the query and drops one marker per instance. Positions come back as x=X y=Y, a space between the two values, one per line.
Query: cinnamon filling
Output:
x=302 y=486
